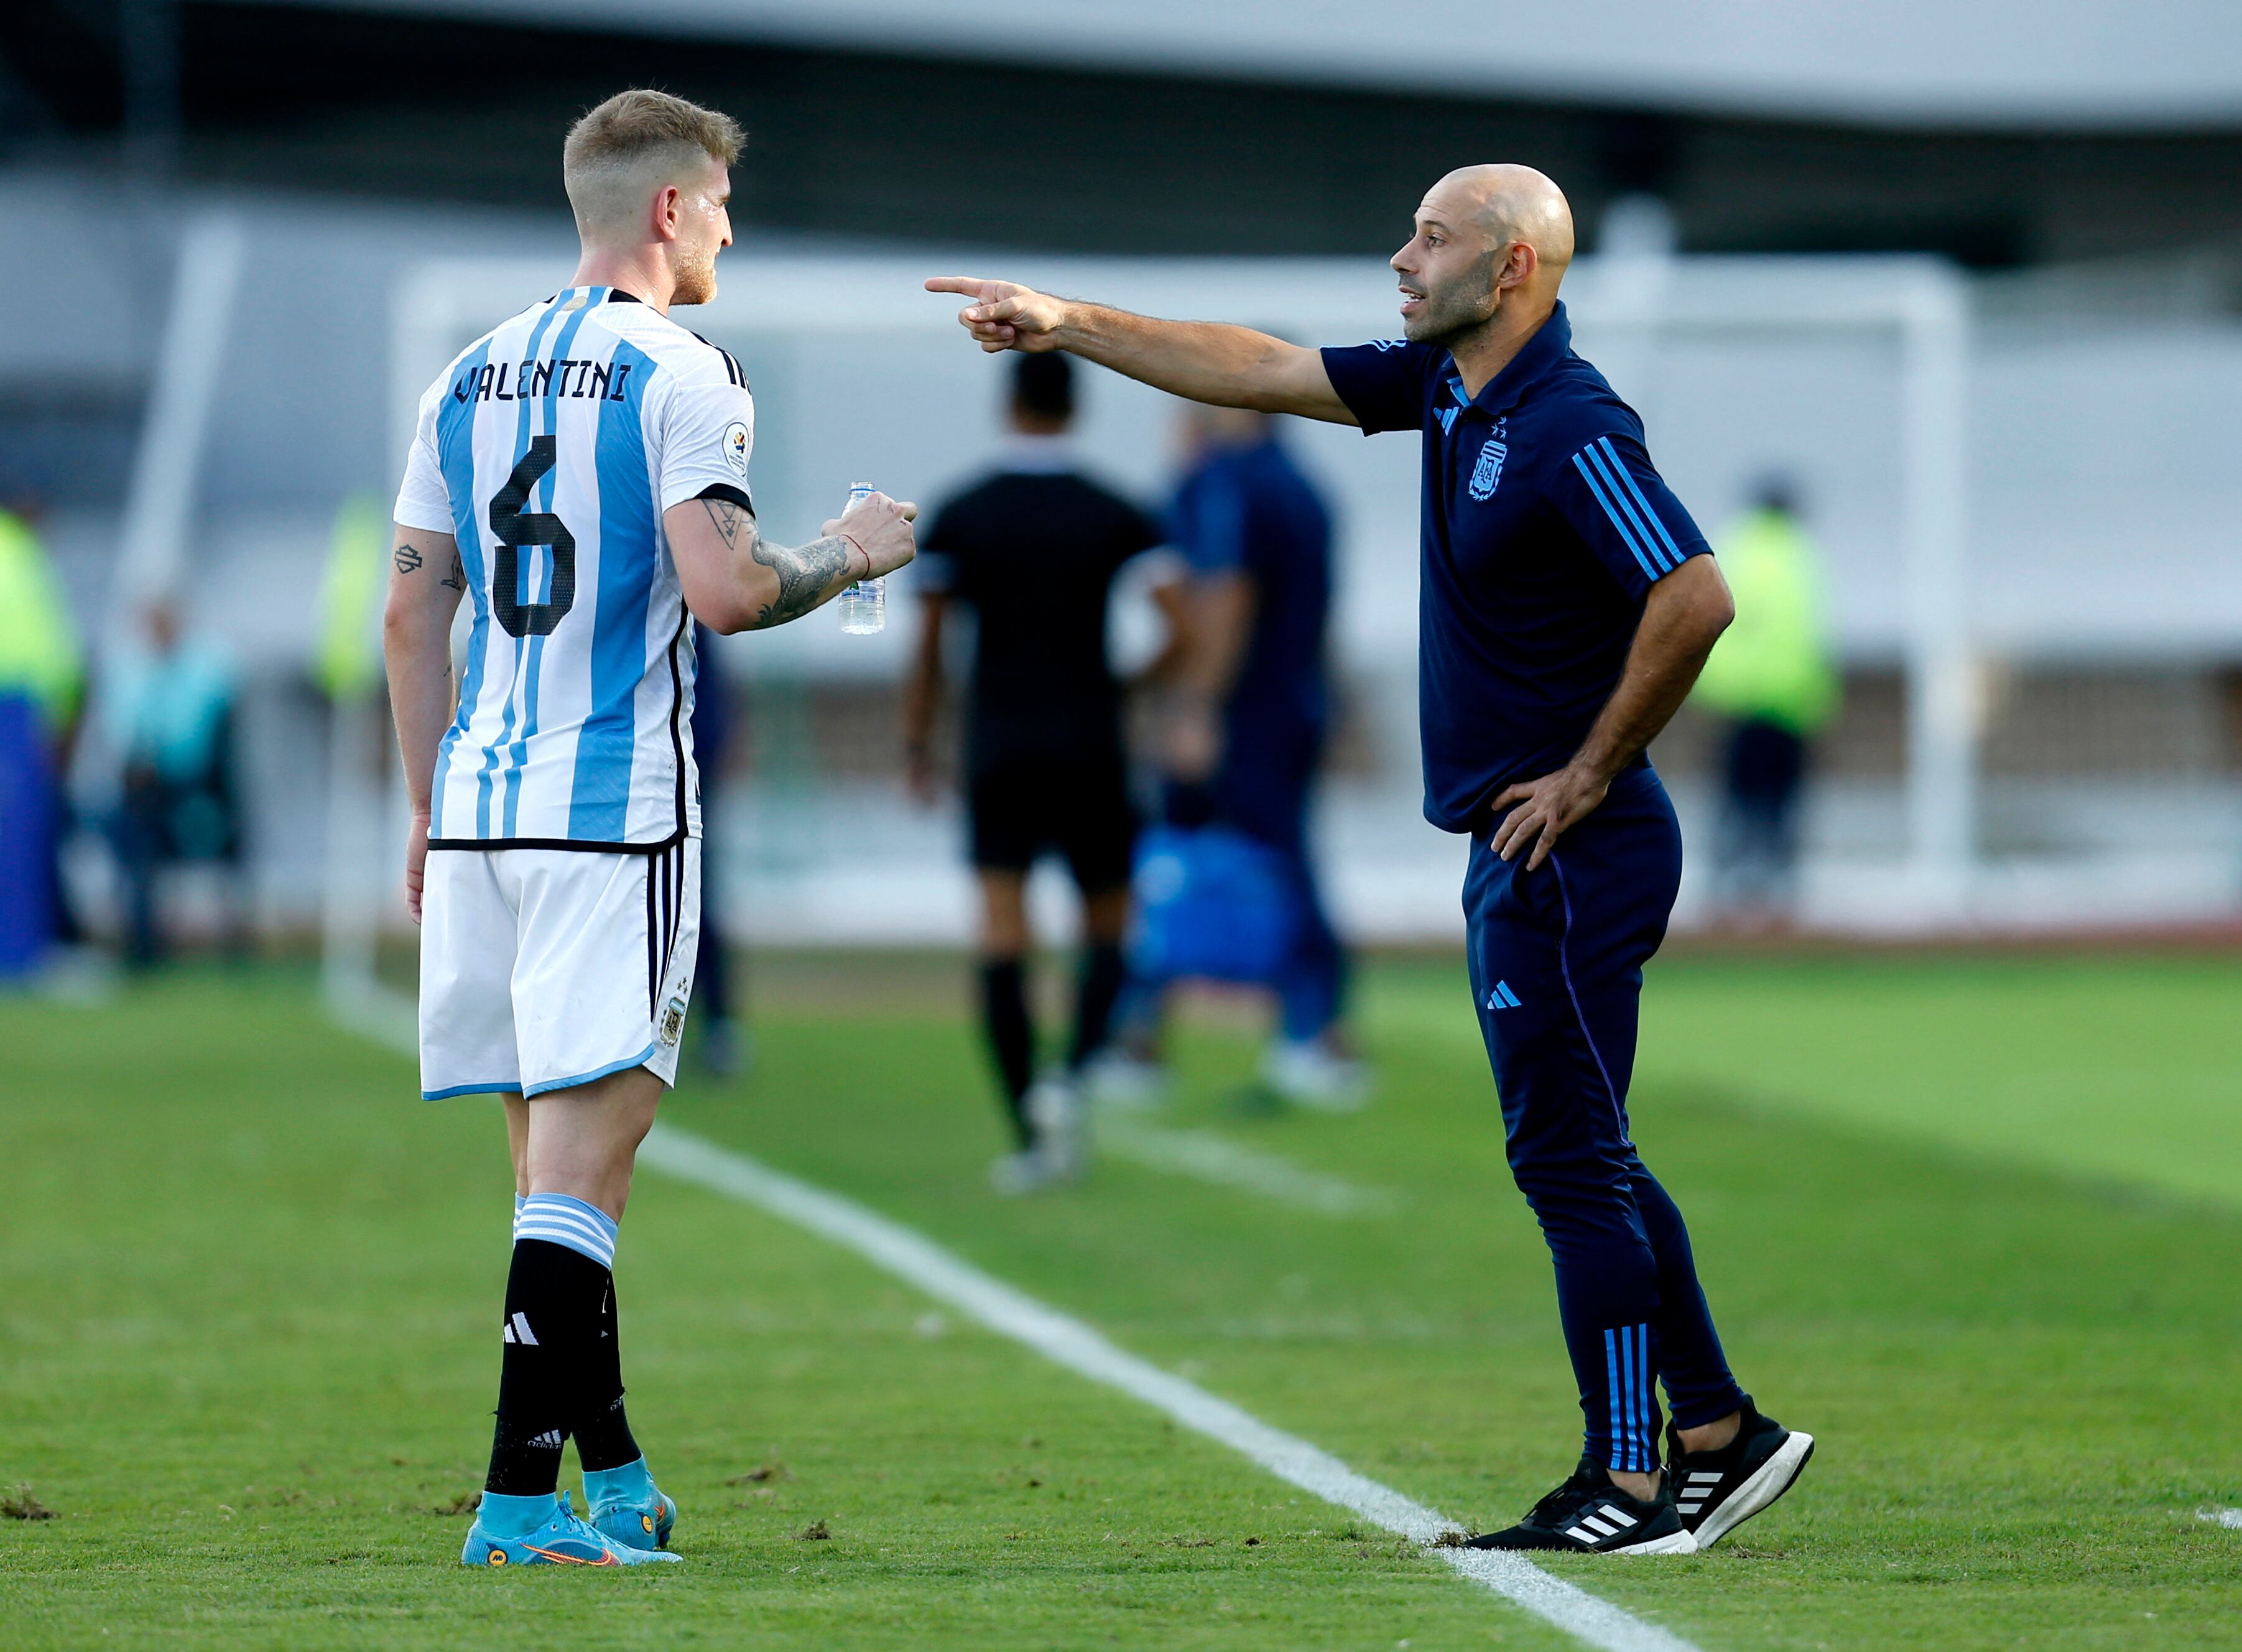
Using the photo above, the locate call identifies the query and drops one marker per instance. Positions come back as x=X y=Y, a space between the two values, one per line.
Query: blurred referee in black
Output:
x=1032 y=549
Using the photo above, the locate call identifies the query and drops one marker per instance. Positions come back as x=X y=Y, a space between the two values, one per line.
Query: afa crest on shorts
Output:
x=1487 y=474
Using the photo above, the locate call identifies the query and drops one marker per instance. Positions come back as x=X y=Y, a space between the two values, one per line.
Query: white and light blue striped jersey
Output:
x=549 y=450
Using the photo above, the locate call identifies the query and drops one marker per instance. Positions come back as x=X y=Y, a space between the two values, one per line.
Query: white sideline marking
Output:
x=2230 y=1517
x=1209 y=1158
x=1067 y=1341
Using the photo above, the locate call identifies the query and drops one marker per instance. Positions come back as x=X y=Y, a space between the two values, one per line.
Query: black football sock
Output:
x=1095 y=992
x=1011 y=1037
x=603 y=1434
x=552 y=1321
x=555 y=1295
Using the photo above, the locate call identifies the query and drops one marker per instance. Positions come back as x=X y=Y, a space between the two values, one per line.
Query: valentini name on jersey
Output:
x=549 y=450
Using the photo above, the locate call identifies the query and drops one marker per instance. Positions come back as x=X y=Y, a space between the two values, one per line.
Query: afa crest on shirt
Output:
x=1487 y=474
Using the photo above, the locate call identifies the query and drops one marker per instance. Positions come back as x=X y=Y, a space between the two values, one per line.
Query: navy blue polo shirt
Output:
x=1544 y=527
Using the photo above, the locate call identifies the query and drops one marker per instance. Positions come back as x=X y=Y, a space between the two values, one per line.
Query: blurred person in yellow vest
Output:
x=42 y=686
x=346 y=662
x=1770 y=679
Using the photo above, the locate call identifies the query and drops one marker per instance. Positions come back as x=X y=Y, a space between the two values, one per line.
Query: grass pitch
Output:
x=1975 y=1224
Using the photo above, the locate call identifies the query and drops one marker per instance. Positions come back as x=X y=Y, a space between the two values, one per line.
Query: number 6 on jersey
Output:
x=516 y=527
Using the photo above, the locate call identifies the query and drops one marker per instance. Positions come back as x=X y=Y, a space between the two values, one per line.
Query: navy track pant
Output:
x=1556 y=970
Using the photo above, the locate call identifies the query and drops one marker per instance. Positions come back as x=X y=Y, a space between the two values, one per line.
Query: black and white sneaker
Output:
x=1714 y=1492
x=1589 y=1515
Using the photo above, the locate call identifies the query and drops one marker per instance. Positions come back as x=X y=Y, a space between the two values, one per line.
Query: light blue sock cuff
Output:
x=632 y=1483
x=559 y=1219
x=503 y=1516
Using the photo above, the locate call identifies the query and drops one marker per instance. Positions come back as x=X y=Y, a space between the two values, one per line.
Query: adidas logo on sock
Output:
x=517 y=1330
x=549 y=1440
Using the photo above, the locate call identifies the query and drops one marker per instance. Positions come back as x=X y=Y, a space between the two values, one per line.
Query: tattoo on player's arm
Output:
x=457 y=579
x=728 y=518
x=407 y=559
x=804 y=575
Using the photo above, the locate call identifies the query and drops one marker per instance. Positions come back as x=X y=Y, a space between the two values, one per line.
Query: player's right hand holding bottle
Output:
x=880 y=527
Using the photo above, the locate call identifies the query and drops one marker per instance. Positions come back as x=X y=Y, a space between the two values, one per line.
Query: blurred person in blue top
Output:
x=1248 y=717
x=170 y=710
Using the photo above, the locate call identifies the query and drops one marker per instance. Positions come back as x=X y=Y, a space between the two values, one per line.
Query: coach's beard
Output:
x=1469 y=302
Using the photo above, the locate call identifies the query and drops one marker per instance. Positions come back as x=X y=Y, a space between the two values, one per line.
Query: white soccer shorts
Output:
x=544 y=967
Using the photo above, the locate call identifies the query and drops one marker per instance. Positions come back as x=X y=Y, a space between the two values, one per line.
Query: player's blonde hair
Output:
x=634 y=142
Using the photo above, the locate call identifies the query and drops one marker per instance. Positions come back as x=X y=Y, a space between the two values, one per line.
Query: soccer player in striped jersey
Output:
x=579 y=475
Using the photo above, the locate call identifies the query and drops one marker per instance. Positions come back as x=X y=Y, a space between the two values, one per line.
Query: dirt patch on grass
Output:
x=21 y=1505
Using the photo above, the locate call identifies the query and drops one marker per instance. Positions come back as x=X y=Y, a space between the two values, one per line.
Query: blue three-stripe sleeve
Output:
x=1605 y=459
x=1615 y=492
x=1674 y=558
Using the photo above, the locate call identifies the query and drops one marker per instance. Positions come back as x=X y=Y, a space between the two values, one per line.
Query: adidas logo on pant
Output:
x=517 y=1330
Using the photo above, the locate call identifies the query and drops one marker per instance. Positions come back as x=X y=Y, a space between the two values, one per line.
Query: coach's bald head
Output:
x=1491 y=239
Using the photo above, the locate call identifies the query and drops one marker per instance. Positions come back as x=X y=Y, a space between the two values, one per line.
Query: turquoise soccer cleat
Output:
x=627 y=1508
x=636 y=1525
x=565 y=1539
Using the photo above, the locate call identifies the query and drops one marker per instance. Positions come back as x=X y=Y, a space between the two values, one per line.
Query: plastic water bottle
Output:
x=864 y=605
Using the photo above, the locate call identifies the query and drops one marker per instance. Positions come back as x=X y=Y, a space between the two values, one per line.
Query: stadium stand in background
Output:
x=2089 y=634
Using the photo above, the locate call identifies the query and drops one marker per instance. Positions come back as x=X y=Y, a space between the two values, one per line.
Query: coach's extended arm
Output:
x=1207 y=361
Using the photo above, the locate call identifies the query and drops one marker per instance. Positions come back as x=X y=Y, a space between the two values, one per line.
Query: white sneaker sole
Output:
x=1775 y=1476
x=1678 y=1543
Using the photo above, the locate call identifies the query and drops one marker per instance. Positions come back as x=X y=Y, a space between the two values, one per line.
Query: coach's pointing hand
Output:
x=1003 y=315
x=881 y=527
